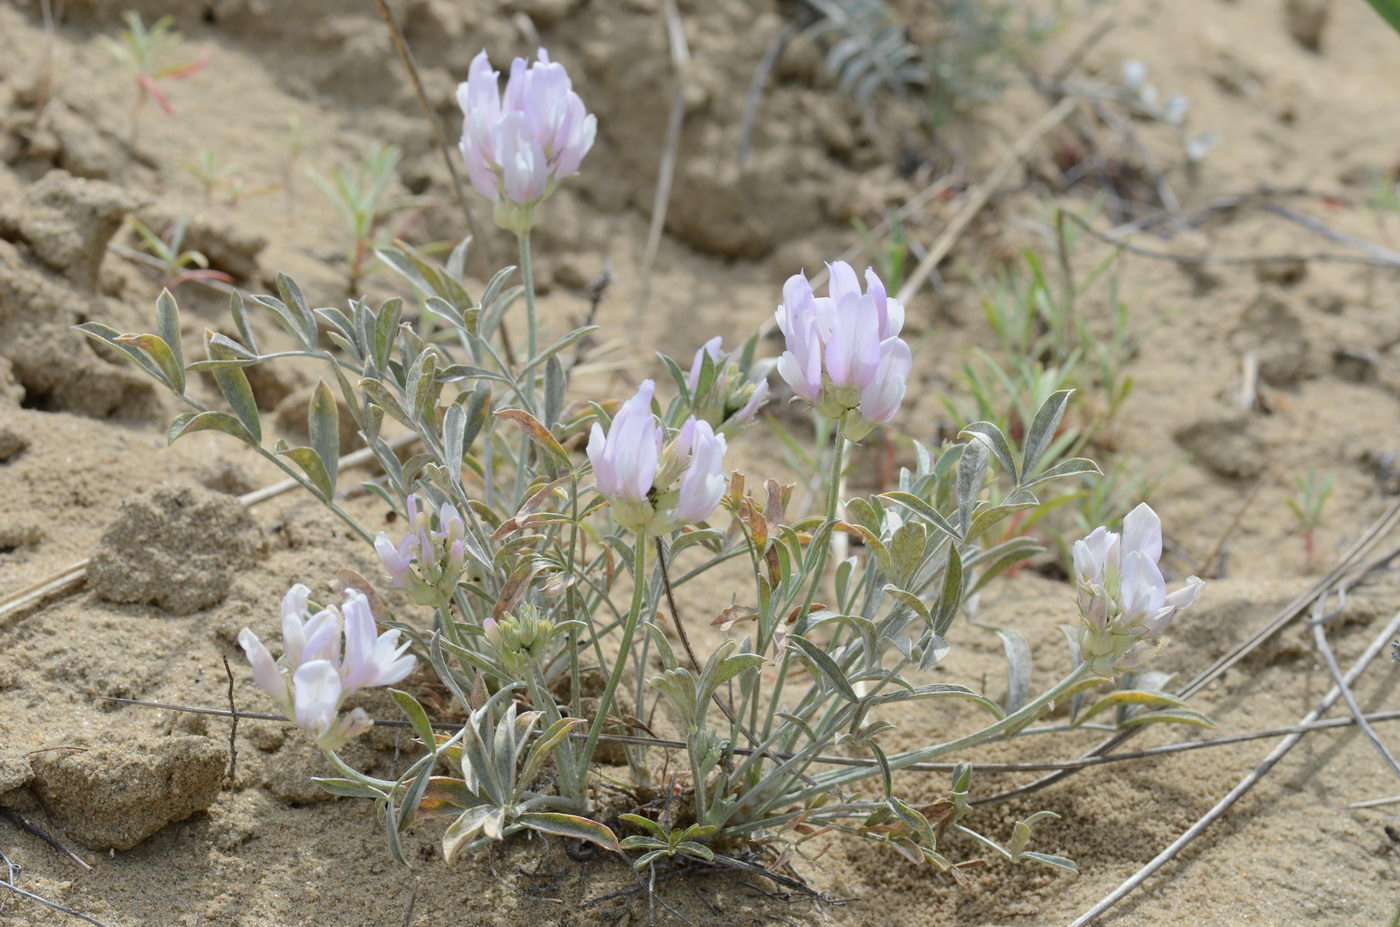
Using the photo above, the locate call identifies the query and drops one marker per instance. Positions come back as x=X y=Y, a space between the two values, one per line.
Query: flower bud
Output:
x=728 y=398
x=427 y=561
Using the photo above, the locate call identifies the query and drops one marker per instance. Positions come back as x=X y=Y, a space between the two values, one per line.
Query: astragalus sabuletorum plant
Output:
x=542 y=536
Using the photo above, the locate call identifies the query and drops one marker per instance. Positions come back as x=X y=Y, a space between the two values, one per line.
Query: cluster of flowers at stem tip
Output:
x=327 y=657
x=653 y=486
x=1123 y=598
x=726 y=399
x=427 y=561
x=518 y=145
x=844 y=354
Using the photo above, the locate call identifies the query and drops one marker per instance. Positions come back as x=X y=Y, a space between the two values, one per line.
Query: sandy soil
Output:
x=81 y=435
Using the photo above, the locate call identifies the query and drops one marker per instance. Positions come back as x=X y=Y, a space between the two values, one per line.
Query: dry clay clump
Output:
x=116 y=795
x=175 y=547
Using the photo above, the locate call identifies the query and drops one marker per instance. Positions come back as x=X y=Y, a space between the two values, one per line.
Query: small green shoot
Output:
x=1311 y=493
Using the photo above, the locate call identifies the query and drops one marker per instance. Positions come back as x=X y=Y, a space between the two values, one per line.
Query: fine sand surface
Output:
x=82 y=442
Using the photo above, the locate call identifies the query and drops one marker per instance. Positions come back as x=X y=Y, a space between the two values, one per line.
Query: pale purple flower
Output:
x=371 y=659
x=312 y=679
x=702 y=484
x=517 y=146
x=625 y=458
x=317 y=690
x=1123 y=597
x=756 y=398
x=844 y=352
x=655 y=487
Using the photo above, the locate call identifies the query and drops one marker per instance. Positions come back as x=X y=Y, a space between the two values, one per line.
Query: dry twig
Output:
x=1244 y=785
x=680 y=57
x=448 y=156
x=983 y=194
x=1344 y=565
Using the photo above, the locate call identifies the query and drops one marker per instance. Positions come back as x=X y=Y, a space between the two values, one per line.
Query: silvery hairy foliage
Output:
x=544 y=535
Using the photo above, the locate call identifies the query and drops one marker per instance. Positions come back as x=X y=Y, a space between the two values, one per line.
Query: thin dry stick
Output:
x=983 y=194
x=1374 y=257
x=1041 y=766
x=1378 y=529
x=406 y=57
x=233 y=728
x=760 y=77
x=73 y=575
x=28 y=826
x=4 y=883
x=1375 y=802
x=1320 y=639
x=680 y=57
x=1244 y=785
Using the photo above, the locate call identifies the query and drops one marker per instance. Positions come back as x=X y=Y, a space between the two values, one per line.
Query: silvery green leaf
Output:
x=381 y=397
x=912 y=601
x=1169 y=716
x=386 y=323
x=988 y=518
x=822 y=665
x=477 y=408
x=348 y=788
x=678 y=377
x=418 y=389
x=555 y=348
x=663 y=646
x=314 y=468
x=239 y=311
x=1021 y=498
x=944 y=690
x=168 y=327
x=399 y=262
x=285 y=316
x=972 y=473
x=110 y=335
x=886 y=778
x=731 y=667
x=457 y=260
x=554 y=383
x=923 y=510
x=571 y=825
x=1018 y=666
x=545 y=745
x=1132 y=698
x=208 y=421
x=907 y=548
x=1043 y=429
x=323 y=425
x=1071 y=467
x=990 y=437
x=454 y=434
x=419 y=776
x=416 y=717
x=993 y=561
x=843 y=583
x=951 y=596
x=935 y=649
x=465 y=829
x=155 y=347
x=295 y=302
x=1049 y=859
x=234 y=386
